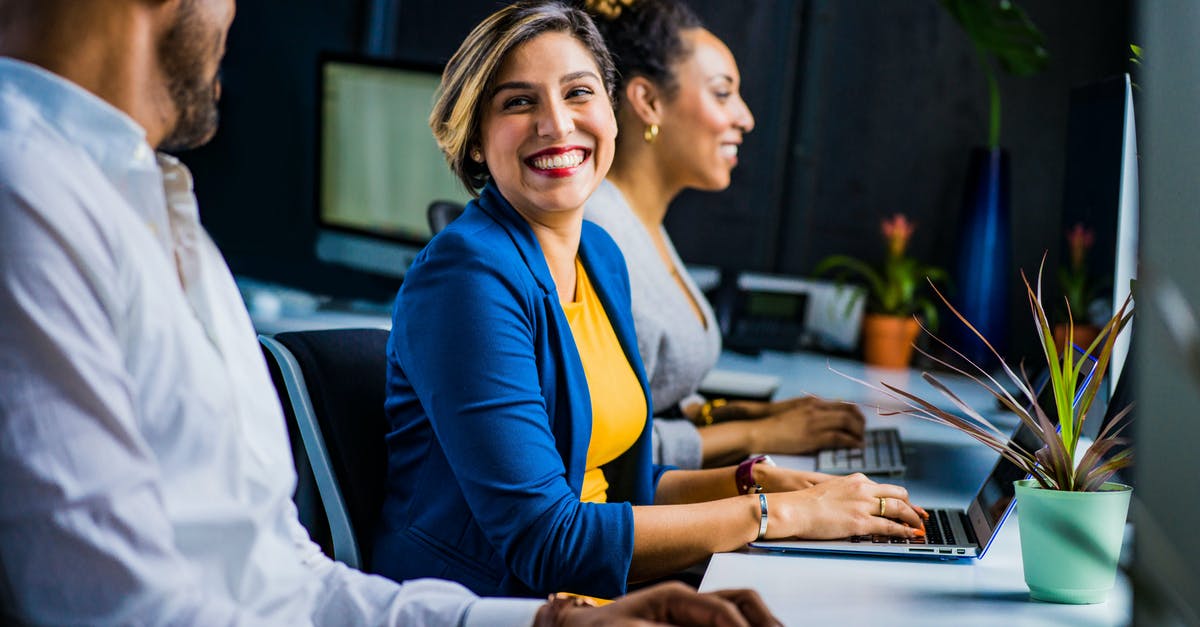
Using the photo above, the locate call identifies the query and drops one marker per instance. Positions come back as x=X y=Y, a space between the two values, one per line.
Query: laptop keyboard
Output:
x=938 y=530
x=881 y=452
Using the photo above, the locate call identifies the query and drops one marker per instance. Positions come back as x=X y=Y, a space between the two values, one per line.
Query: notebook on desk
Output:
x=734 y=385
x=951 y=533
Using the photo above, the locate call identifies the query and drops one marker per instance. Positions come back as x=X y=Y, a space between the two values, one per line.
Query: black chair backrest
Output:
x=345 y=371
x=441 y=213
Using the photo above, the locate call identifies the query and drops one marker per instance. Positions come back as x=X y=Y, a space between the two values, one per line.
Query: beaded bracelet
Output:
x=707 y=408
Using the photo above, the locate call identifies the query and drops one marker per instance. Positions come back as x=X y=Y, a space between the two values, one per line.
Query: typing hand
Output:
x=809 y=424
x=843 y=507
x=669 y=603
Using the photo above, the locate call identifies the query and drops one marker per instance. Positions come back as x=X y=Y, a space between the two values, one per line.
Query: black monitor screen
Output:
x=777 y=305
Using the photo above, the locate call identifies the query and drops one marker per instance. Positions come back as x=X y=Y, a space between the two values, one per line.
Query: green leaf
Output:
x=929 y=311
x=1003 y=35
x=849 y=265
x=1000 y=28
x=894 y=291
x=1053 y=463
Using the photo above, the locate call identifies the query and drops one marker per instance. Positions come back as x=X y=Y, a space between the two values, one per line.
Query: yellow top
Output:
x=618 y=401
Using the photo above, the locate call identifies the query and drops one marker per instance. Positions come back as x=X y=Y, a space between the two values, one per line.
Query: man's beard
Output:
x=184 y=51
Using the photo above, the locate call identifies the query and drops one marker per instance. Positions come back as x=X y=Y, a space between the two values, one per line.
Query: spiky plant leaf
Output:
x=1053 y=464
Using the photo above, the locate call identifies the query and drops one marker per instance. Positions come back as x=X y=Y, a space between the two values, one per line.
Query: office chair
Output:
x=331 y=384
x=441 y=213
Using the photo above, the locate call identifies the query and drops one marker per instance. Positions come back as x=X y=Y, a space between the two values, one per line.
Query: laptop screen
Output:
x=996 y=494
x=997 y=491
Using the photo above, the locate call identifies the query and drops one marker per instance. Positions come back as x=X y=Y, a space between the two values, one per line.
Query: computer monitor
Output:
x=1100 y=188
x=378 y=167
x=1121 y=398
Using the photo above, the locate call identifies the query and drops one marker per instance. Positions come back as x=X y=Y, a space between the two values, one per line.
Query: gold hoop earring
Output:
x=651 y=133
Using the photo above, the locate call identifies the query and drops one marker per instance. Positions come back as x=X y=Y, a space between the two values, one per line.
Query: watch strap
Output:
x=744 y=475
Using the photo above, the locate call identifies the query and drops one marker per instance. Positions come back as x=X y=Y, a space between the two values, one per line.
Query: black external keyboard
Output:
x=881 y=453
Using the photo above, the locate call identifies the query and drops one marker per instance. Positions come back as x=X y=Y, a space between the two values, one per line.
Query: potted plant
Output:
x=1004 y=38
x=1079 y=290
x=889 y=328
x=1071 y=516
x=1003 y=34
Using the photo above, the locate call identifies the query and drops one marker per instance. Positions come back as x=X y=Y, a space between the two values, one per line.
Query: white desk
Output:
x=275 y=309
x=945 y=468
x=319 y=319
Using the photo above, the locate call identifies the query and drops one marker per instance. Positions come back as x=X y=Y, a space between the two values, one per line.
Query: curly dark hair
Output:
x=644 y=37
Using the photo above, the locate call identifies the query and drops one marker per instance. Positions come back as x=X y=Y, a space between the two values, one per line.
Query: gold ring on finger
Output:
x=882 y=506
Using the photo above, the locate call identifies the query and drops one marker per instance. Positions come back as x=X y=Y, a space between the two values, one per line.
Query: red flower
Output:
x=895 y=288
x=897 y=230
x=1079 y=240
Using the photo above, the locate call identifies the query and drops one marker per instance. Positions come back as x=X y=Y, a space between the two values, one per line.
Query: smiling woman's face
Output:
x=548 y=131
x=705 y=119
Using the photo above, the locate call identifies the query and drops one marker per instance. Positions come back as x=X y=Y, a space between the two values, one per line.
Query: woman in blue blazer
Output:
x=489 y=396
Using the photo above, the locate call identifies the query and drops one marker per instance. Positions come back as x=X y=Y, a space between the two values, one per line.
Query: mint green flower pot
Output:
x=1070 y=541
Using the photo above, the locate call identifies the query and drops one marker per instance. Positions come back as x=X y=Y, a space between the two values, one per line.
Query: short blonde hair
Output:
x=469 y=75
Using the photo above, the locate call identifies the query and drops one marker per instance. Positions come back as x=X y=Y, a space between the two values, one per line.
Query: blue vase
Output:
x=984 y=272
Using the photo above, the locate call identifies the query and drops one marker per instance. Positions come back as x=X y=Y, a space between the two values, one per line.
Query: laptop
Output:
x=949 y=533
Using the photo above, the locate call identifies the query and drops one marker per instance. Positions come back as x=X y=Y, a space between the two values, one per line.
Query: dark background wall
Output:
x=863 y=107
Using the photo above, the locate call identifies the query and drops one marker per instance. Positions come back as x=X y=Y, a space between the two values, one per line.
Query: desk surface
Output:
x=945 y=469
x=810 y=373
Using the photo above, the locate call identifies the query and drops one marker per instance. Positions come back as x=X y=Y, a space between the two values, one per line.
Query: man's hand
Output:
x=671 y=604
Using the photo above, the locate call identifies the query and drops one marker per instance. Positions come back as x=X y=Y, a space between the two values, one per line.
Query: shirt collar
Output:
x=109 y=136
x=493 y=203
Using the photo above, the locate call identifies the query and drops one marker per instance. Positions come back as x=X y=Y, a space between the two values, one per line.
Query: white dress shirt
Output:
x=145 y=472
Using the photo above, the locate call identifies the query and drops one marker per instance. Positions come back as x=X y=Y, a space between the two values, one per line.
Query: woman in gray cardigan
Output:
x=681 y=122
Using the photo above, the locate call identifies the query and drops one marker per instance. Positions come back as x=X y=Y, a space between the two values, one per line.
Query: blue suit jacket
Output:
x=491 y=418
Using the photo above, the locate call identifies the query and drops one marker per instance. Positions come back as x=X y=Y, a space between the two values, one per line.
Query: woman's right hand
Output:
x=805 y=425
x=843 y=507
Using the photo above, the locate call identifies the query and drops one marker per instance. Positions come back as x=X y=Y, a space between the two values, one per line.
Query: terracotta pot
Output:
x=1085 y=334
x=888 y=340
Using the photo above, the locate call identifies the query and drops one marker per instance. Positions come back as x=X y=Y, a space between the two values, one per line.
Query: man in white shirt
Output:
x=145 y=474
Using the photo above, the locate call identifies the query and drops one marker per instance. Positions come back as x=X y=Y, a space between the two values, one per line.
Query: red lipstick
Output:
x=558 y=161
